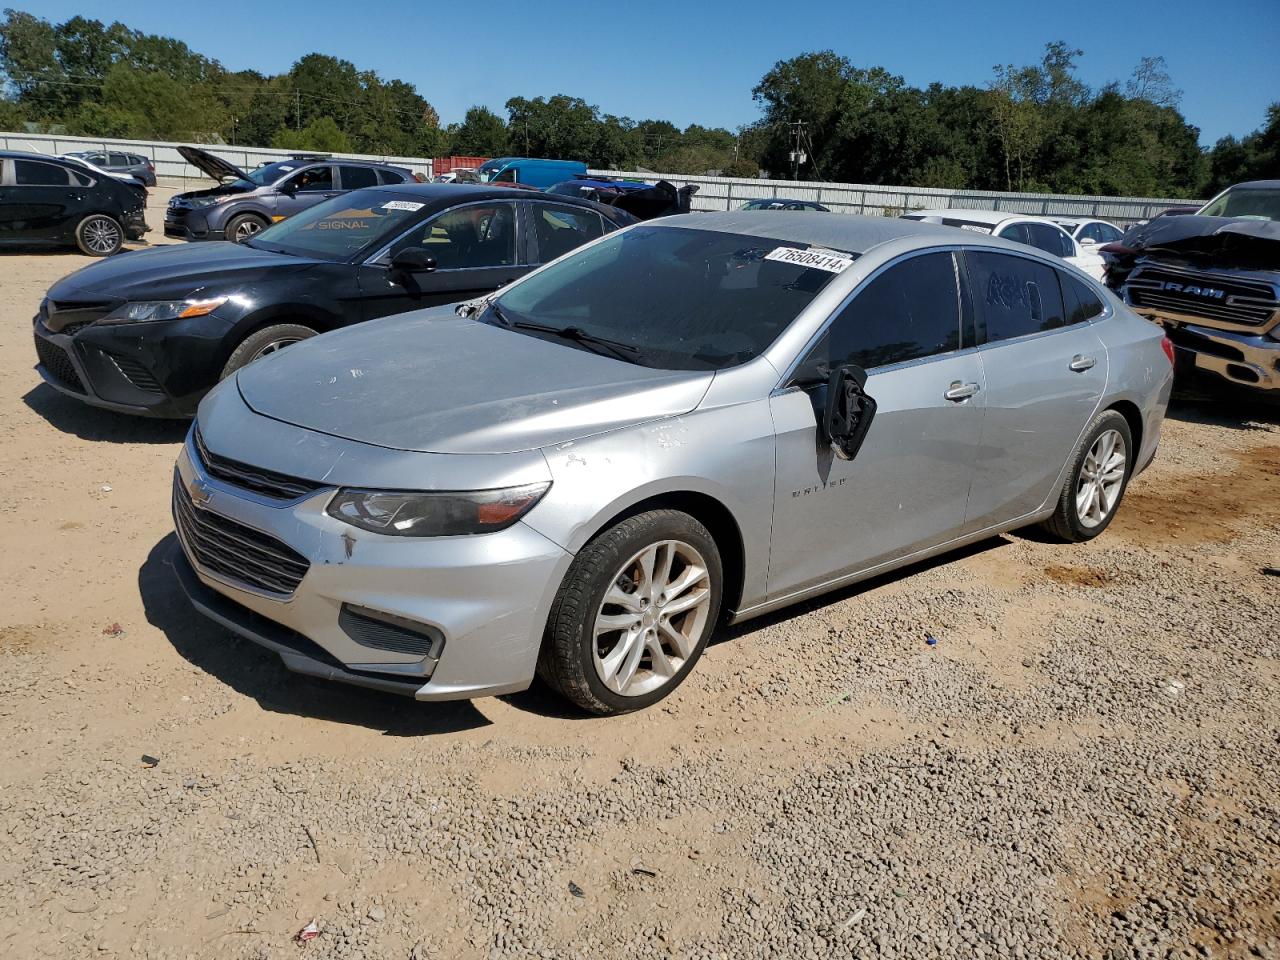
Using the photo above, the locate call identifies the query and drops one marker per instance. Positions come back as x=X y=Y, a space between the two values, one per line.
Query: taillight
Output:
x=1167 y=346
x=151 y=166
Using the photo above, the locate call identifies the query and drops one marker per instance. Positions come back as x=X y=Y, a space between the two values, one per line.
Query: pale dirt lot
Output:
x=1087 y=764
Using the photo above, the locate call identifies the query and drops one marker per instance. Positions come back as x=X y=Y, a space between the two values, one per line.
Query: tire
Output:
x=243 y=226
x=1077 y=518
x=262 y=342
x=576 y=662
x=99 y=235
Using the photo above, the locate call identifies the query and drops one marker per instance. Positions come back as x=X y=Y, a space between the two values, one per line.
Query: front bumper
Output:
x=486 y=597
x=114 y=379
x=190 y=223
x=1249 y=360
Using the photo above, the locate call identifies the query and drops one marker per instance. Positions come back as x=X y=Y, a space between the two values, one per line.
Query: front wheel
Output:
x=262 y=342
x=634 y=613
x=98 y=235
x=1099 y=475
x=244 y=226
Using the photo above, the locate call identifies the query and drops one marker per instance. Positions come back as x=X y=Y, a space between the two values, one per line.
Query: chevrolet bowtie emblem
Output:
x=200 y=492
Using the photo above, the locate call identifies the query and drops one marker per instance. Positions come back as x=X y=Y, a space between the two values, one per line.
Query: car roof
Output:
x=28 y=155
x=852 y=233
x=448 y=194
x=812 y=203
x=1256 y=185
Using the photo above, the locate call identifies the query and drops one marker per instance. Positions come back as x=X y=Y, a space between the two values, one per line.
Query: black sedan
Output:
x=48 y=201
x=152 y=331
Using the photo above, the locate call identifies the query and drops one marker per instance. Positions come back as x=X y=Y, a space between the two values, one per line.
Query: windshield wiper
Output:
x=618 y=349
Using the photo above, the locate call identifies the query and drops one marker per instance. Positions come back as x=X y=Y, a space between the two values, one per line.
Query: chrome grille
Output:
x=1244 y=303
x=222 y=546
x=278 y=486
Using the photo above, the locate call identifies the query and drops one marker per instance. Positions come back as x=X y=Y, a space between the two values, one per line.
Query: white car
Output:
x=1039 y=232
x=1088 y=231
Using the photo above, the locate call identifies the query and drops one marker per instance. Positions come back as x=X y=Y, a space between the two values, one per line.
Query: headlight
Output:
x=445 y=514
x=206 y=201
x=145 y=310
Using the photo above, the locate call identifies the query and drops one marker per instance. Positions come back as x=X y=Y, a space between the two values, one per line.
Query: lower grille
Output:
x=222 y=546
x=381 y=631
x=54 y=359
x=278 y=486
x=136 y=374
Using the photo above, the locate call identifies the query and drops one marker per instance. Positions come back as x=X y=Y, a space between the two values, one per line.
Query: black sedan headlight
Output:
x=145 y=311
x=449 y=513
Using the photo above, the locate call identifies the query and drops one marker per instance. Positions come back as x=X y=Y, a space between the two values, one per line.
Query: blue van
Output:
x=530 y=172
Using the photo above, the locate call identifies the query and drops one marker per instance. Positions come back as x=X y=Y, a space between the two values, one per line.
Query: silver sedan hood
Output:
x=436 y=383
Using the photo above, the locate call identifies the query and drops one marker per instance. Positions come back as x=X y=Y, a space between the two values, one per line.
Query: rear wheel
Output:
x=1099 y=475
x=263 y=342
x=241 y=228
x=99 y=235
x=634 y=613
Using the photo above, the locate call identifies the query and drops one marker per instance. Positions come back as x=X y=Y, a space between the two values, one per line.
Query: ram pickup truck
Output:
x=1212 y=280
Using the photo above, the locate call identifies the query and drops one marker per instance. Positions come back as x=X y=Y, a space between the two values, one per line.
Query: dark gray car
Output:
x=119 y=161
x=244 y=203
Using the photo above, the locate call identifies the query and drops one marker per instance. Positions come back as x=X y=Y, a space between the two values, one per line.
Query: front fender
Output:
x=724 y=453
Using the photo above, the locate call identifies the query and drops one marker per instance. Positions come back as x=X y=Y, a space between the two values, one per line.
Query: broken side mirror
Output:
x=849 y=410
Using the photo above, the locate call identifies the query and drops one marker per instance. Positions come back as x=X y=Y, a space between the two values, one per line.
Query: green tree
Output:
x=321 y=134
x=482 y=133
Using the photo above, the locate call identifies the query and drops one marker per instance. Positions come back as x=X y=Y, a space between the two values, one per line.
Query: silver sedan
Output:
x=689 y=422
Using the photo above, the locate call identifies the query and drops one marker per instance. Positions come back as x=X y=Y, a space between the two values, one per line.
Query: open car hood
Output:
x=212 y=165
x=662 y=199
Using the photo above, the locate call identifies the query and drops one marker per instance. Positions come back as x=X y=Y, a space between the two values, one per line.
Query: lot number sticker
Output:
x=403 y=205
x=815 y=258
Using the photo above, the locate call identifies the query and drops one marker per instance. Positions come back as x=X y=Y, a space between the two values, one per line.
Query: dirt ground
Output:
x=1087 y=763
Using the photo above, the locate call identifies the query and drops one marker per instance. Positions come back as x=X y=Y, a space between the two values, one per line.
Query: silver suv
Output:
x=693 y=420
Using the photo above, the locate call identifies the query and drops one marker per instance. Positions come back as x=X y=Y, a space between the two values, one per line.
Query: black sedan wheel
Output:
x=98 y=235
x=263 y=342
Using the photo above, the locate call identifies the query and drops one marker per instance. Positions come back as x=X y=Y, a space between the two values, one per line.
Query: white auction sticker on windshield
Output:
x=815 y=258
x=403 y=205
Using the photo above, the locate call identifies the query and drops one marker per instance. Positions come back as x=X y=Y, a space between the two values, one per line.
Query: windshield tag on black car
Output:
x=814 y=258
x=403 y=205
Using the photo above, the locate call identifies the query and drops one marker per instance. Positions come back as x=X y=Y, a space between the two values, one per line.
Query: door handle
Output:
x=959 y=392
x=1080 y=363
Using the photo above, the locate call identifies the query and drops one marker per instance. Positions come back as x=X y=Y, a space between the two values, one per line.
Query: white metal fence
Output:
x=170 y=167
x=714 y=193
x=728 y=193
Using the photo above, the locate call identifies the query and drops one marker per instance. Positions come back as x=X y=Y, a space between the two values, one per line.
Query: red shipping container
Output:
x=448 y=164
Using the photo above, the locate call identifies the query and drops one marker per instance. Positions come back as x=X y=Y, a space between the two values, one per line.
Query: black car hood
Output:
x=1212 y=241
x=211 y=164
x=174 y=271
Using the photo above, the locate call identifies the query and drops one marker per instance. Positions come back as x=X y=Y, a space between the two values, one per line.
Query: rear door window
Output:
x=558 y=229
x=33 y=173
x=118 y=160
x=910 y=311
x=357 y=178
x=1013 y=296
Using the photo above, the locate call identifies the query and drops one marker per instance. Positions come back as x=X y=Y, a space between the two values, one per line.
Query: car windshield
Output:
x=269 y=174
x=1246 y=203
x=673 y=298
x=340 y=228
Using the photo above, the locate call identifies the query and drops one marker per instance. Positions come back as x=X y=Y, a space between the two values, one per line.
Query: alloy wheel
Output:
x=653 y=616
x=101 y=235
x=1101 y=478
x=246 y=229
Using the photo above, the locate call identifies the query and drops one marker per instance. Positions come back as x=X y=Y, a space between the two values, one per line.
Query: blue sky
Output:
x=690 y=63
